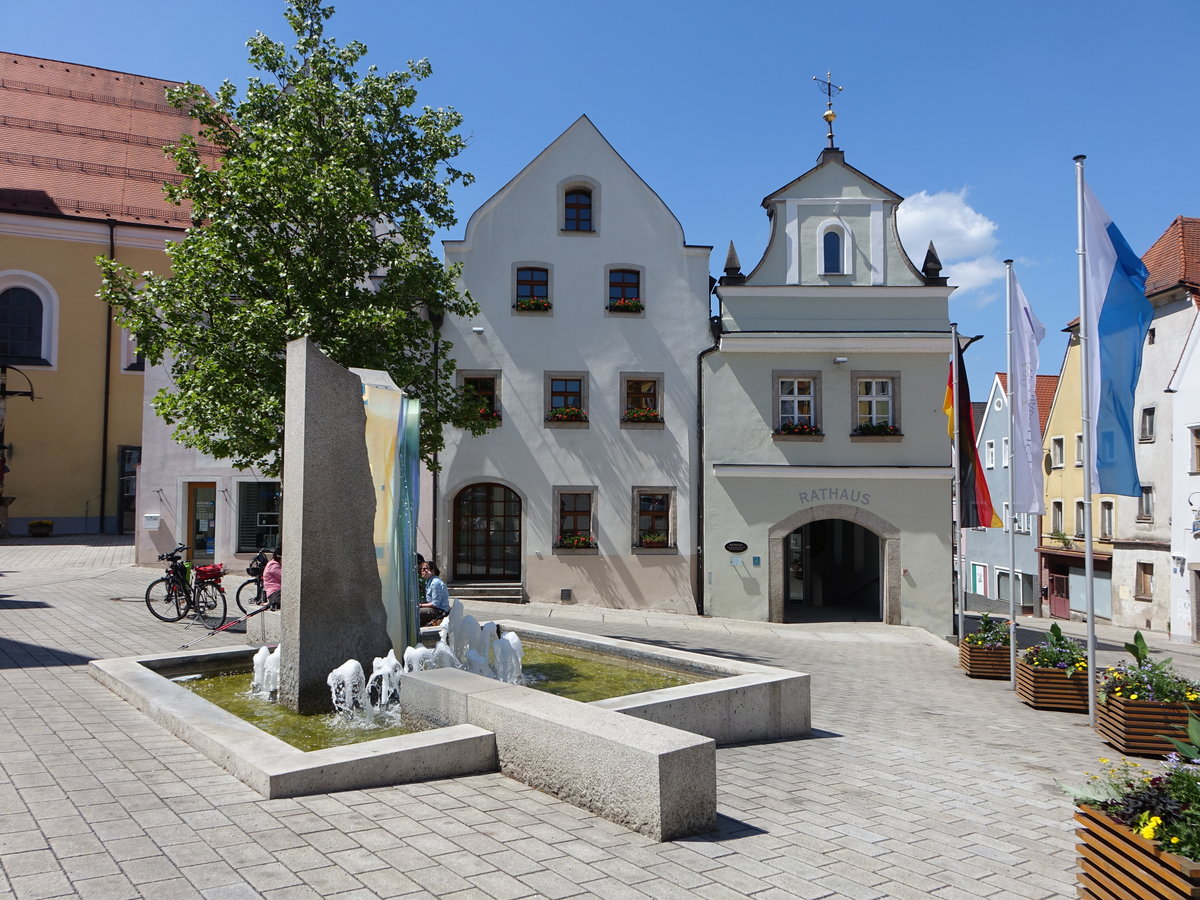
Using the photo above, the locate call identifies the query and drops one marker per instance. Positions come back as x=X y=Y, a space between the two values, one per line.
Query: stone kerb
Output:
x=334 y=609
x=650 y=778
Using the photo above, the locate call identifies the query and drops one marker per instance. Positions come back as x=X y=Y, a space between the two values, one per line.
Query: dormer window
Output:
x=577 y=210
x=831 y=248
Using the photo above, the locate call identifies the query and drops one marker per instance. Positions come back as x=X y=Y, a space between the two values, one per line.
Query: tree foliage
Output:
x=316 y=220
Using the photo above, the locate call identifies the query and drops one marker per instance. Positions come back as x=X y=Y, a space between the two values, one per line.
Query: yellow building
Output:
x=1061 y=548
x=81 y=177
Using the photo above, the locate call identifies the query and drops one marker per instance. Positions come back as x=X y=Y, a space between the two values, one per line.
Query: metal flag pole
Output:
x=1089 y=458
x=960 y=556
x=1010 y=515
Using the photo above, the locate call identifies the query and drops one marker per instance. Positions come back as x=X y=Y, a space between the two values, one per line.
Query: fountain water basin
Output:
x=740 y=702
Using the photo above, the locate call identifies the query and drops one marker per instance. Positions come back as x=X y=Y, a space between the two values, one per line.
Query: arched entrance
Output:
x=832 y=573
x=487 y=534
x=842 y=536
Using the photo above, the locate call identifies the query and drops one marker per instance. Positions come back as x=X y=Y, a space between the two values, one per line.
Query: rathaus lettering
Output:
x=828 y=495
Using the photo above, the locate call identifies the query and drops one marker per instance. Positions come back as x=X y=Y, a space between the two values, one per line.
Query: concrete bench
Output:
x=650 y=778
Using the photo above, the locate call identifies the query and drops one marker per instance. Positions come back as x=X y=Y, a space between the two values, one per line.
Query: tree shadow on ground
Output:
x=723 y=653
x=8 y=601
x=20 y=655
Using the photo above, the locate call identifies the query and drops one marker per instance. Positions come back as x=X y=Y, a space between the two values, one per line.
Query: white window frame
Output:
x=1056 y=517
x=1005 y=517
x=847 y=246
x=1056 y=452
x=1004 y=454
x=1078 y=450
x=18 y=278
x=979 y=575
x=777 y=395
x=1080 y=518
x=1106 y=519
x=989 y=453
x=857 y=379
x=1147 y=425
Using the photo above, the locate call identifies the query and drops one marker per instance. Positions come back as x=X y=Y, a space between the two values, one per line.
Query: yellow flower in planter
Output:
x=1150 y=828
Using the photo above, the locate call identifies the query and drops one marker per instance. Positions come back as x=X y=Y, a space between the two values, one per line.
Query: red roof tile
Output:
x=1043 y=390
x=87 y=142
x=1174 y=258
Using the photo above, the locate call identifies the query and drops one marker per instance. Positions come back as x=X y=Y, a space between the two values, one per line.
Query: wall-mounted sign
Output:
x=737 y=547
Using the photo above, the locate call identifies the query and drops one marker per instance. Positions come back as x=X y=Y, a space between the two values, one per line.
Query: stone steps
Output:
x=492 y=591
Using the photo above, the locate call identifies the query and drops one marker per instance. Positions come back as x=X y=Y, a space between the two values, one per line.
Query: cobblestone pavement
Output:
x=916 y=782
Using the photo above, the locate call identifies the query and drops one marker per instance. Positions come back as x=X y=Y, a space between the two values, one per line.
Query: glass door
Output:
x=487 y=534
x=202 y=521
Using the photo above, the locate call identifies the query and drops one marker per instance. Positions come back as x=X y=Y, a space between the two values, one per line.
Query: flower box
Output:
x=630 y=305
x=1044 y=688
x=1133 y=726
x=1115 y=861
x=532 y=304
x=40 y=529
x=984 y=662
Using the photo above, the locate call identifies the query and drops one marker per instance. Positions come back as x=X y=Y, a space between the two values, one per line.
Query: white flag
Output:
x=1026 y=426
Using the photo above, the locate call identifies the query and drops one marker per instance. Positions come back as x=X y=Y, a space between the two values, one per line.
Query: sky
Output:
x=972 y=111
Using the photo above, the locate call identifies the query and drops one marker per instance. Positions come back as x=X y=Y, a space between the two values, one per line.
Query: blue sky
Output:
x=971 y=110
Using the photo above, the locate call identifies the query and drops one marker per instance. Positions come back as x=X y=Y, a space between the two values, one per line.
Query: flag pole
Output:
x=1089 y=456
x=958 y=498
x=1010 y=516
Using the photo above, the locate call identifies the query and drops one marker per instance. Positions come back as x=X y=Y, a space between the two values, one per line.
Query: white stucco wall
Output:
x=520 y=226
x=1184 y=579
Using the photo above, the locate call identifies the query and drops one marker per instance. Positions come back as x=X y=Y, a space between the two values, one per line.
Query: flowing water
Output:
x=574 y=673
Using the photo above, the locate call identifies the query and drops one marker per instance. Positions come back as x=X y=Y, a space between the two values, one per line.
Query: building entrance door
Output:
x=201 y=521
x=834 y=573
x=487 y=534
x=1060 y=596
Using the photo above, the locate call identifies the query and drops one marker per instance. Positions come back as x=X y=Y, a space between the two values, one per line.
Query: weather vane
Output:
x=828 y=88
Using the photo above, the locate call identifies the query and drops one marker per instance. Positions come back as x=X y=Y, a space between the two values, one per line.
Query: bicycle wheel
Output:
x=166 y=600
x=249 y=596
x=209 y=602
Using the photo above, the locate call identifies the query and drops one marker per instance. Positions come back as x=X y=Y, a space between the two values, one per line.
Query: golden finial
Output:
x=827 y=87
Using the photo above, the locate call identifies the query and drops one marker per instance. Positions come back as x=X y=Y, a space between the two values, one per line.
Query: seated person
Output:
x=437 y=598
x=272 y=579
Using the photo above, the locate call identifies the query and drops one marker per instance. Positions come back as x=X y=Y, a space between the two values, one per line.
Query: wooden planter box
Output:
x=984 y=662
x=1118 y=863
x=1131 y=726
x=1052 y=688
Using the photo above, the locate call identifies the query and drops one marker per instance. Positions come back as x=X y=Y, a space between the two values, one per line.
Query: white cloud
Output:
x=964 y=238
x=945 y=218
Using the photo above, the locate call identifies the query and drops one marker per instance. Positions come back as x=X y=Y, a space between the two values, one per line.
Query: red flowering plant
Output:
x=533 y=304
x=798 y=428
x=875 y=429
x=566 y=414
x=575 y=541
x=641 y=414
x=491 y=415
x=626 y=305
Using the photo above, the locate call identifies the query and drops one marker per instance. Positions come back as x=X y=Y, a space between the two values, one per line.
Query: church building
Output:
x=826 y=467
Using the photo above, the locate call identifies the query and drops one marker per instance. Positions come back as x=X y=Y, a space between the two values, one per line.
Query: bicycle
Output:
x=173 y=596
x=250 y=593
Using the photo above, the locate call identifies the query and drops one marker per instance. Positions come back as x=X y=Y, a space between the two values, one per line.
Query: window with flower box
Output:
x=876 y=404
x=574 y=509
x=625 y=291
x=796 y=401
x=532 y=290
x=566 y=399
x=642 y=397
x=486 y=387
x=653 y=519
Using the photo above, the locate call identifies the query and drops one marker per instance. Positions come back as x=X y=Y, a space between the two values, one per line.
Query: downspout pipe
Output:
x=107 y=381
x=714 y=325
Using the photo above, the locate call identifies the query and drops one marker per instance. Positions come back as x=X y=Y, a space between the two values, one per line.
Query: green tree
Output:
x=316 y=219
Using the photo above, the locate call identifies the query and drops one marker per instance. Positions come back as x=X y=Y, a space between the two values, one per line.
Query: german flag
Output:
x=977 y=509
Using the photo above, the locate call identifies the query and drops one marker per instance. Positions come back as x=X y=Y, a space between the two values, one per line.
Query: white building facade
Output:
x=593 y=310
x=826 y=468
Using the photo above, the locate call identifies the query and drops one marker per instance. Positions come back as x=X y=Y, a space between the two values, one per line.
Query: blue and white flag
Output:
x=1026 y=428
x=1118 y=316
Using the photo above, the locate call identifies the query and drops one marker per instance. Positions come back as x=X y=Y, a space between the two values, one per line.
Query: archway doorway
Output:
x=487 y=534
x=832 y=572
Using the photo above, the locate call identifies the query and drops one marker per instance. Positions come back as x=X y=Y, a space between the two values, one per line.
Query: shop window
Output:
x=259 y=506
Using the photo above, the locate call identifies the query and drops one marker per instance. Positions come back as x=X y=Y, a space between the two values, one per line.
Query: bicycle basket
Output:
x=209 y=573
x=254 y=571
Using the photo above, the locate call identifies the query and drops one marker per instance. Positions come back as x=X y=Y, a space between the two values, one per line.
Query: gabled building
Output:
x=1142 y=563
x=593 y=309
x=81 y=176
x=987 y=549
x=826 y=469
x=1061 y=547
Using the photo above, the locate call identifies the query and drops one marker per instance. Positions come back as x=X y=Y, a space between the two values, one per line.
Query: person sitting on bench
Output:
x=437 y=599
